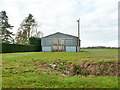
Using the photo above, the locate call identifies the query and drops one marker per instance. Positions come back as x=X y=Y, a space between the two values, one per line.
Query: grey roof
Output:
x=60 y=33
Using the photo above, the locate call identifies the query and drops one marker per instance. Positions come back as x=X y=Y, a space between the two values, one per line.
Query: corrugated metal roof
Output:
x=60 y=33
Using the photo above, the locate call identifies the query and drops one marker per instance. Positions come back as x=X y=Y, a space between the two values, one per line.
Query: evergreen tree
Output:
x=5 y=34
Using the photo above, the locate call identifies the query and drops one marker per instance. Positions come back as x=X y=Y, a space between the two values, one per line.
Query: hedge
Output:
x=9 y=48
x=37 y=42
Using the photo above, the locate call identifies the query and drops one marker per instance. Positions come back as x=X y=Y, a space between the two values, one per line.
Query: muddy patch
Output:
x=86 y=68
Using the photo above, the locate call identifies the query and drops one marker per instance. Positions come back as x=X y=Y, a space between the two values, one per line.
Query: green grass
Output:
x=31 y=69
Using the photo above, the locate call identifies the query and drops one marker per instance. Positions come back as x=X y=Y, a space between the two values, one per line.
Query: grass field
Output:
x=32 y=69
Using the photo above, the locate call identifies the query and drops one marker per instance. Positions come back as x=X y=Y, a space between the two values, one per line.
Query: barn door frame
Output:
x=58 y=45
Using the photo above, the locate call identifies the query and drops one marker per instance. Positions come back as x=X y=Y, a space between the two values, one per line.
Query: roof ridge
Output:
x=60 y=33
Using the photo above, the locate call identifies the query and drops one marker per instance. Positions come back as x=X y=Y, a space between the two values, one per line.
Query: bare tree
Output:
x=28 y=28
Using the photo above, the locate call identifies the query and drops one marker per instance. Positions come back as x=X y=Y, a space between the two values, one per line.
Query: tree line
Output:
x=27 y=29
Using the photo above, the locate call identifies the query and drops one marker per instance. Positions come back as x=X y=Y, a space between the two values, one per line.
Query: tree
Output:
x=27 y=29
x=5 y=34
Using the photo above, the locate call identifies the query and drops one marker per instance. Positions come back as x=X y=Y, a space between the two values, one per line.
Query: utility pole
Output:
x=78 y=34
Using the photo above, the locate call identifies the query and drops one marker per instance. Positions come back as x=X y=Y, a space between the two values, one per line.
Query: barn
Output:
x=59 y=42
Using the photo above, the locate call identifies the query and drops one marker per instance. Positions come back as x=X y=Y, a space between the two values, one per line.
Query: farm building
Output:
x=59 y=42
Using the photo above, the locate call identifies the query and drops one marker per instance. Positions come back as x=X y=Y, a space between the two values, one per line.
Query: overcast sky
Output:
x=99 y=18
